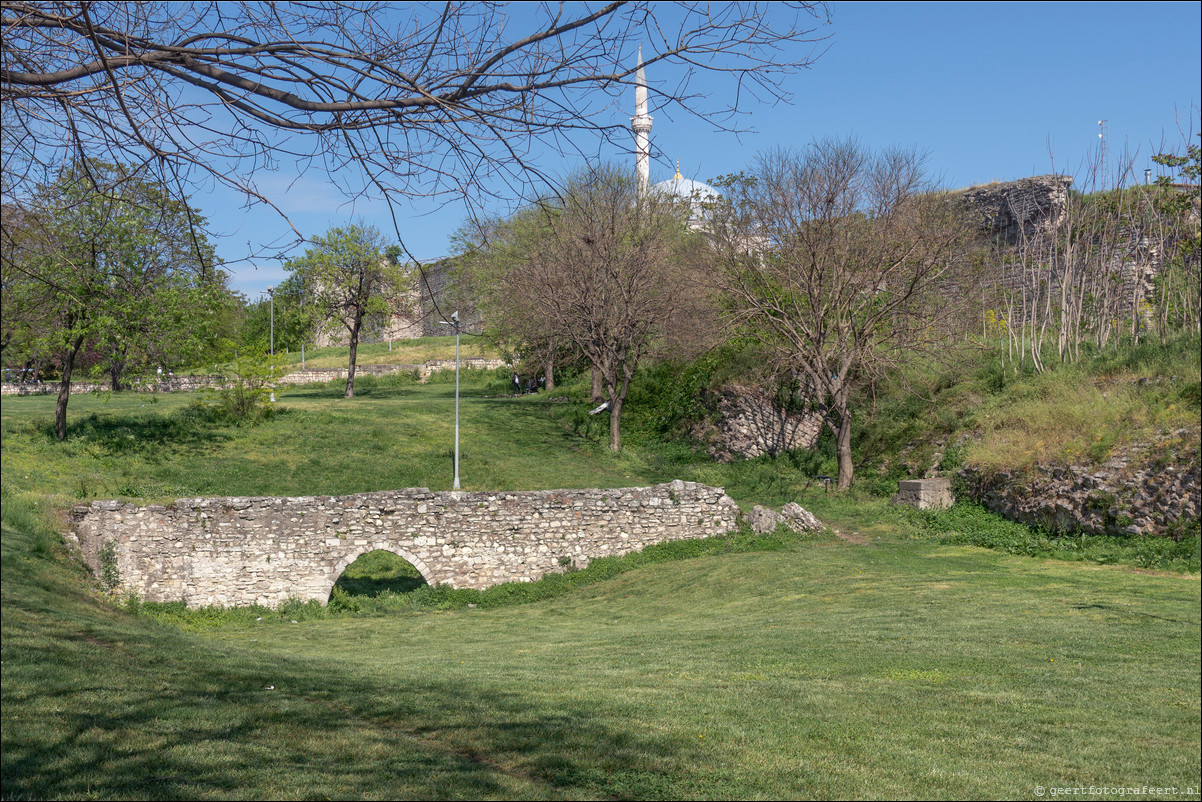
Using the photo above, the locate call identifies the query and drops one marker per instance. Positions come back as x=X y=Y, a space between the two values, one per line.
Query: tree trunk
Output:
x=843 y=449
x=64 y=390
x=549 y=372
x=116 y=369
x=615 y=425
x=350 y=371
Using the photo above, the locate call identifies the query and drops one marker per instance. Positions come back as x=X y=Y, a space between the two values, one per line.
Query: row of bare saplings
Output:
x=1117 y=265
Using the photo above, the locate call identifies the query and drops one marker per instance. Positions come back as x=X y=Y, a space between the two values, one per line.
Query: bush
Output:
x=248 y=387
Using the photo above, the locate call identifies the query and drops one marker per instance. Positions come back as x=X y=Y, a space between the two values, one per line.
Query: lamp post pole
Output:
x=454 y=321
x=271 y=294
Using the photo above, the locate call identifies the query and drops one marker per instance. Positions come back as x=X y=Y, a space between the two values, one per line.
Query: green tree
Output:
x=106 y=258
x=1179 y=290
x=296 y=318
x=349 y=275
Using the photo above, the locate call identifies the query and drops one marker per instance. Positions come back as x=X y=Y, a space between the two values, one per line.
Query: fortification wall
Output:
x=240 y=551
x=1018 y=210
x=748 y=423
x=1135 y=493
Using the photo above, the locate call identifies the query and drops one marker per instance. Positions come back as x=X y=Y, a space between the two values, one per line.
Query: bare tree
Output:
x=1111 y=265
x=835 y=257
x=602 y=269
x=440 y=99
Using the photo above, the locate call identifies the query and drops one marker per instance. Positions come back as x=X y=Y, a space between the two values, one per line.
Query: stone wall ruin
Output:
x=241 y=551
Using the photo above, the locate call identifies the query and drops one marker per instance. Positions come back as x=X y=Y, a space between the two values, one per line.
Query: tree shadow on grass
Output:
x=366 y=386
x=118 y=711
x=190 y=428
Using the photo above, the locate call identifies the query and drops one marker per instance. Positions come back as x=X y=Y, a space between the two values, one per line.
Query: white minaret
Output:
x=640 y=124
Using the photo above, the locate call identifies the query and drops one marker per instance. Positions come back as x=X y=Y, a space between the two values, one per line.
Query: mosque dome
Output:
x=695 y=193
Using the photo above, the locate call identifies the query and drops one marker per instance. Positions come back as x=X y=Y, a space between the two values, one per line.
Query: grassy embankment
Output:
x=1080 y=413
x=400 y=352
x=780 y=668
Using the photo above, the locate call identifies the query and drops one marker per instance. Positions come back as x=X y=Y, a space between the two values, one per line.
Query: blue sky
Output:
x=992 y=91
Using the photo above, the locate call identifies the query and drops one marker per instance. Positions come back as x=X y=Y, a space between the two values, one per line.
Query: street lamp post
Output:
x=454 y=321
x=271 y=294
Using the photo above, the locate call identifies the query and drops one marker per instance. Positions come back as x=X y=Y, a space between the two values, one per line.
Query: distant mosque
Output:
x=696 y=193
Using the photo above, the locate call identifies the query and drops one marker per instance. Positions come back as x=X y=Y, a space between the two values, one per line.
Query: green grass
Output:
x=402 y=352
x=916 y=665
x=901 y=669
x=1073 y=414
x=392 y=435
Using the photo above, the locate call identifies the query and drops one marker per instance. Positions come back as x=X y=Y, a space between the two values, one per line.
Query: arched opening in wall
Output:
x=374 y=574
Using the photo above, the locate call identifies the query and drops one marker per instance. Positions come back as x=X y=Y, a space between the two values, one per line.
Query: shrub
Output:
x=247 y=388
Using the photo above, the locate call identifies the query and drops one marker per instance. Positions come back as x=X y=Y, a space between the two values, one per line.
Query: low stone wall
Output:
x=1129 y=495
x=467 y=363
x=188 y=384
x=240 y=551
x=173 y=384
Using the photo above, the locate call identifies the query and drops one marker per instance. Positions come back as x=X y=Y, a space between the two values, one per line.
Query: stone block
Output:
x=925 y=494
x=799 y=518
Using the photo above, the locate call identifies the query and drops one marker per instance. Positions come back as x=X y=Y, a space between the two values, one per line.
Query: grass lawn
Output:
x=906 y=667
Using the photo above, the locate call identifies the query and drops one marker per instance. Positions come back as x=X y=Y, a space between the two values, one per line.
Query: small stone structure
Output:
x=240 y=551
x=749 y=424
x=925 y=494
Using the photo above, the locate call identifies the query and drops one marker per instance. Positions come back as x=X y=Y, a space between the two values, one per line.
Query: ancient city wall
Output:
x=1133 y=493
x=749 y=423
x=1023 y=209
x=240 y=551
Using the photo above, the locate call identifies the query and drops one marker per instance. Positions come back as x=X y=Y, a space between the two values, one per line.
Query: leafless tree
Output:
x=433 y=99
x=601 y=269
x=1115 y=263
x=835 y=257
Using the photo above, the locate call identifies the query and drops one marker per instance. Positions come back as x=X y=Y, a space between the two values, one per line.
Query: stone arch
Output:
x=354 y=554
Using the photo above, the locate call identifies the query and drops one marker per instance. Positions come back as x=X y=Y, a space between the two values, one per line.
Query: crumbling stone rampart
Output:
x=1129 y=495
x=748 y=423
x=1020 y=210
x=240 y=551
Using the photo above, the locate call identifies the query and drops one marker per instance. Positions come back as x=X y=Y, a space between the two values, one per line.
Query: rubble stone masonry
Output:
x=241 y=551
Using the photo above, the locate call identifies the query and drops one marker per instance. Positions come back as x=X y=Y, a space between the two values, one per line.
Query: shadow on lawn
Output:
x=189 y=428
x=116 y=716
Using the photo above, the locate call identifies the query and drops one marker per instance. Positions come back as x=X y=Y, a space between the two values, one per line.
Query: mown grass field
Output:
x=906 y=667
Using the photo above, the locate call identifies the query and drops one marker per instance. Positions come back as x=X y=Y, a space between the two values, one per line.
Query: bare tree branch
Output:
x=432 y=100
